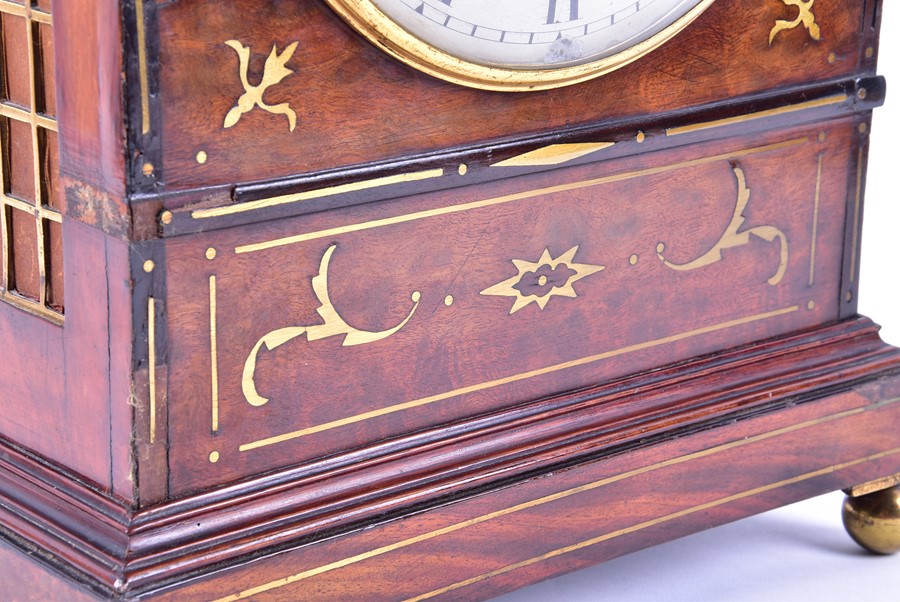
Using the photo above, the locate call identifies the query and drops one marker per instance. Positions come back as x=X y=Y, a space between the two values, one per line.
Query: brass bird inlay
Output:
x=804 y=16
x=540 y=281
x=273 y=72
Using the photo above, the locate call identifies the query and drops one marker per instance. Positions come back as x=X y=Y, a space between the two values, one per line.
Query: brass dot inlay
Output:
x=811 y=305
x=633 y=259
x=862 y=93
x=211 y=253
x=463 y=169
x=849 y=296
x=214 y=457
x=660 y=247
x=870 y=52
x=832 y=58
x=640 y=137
x=202 y=157
x=149 y=265
x=165 y=217
x=542 y=281
x=862 y=128
x=148 y=169
x=416 y=296
x=448 y=300
x=822 y=136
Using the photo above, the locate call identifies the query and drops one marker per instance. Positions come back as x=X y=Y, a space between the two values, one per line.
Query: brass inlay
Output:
x=149 y=266
x=274 y=71
x=815 y=227
x=202 y=157
x=151 y=363
x=856 y=209
x=805 y=17
x=511 y=379
x=148 y=169
x=801 y=106
x=735 y=237
x=166 y=217
x=211 y=253
x=873 y=486
x=214 y=457
x=334 y=325
x=651 y=523
x=378 y=28
x=555 y=154
x=214 y=353
x=318 y=193
x=463 y=169
x=410 y=217
x=278 y=583
x=448 y=300
x=511 y=286
x=143 y=71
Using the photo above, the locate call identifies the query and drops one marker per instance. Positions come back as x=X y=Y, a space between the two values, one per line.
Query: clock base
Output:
x=572 y=481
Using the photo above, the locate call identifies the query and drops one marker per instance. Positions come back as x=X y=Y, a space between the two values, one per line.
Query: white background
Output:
x=800 y=552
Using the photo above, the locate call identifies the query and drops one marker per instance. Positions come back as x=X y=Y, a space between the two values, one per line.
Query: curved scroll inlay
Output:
x=735 y=237
x=334 y=325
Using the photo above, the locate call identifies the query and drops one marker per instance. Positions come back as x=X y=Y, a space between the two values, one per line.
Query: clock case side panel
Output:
x=66 y=386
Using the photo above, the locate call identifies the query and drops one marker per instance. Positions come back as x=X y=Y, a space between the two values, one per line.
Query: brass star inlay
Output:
x=540 y=281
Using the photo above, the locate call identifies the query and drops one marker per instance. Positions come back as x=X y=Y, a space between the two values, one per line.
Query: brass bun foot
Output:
x=873 y=520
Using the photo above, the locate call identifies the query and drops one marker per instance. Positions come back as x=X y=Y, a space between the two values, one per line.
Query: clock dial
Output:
x=519 y=44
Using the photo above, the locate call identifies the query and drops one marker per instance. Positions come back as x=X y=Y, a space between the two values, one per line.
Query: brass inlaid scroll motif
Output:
x=273 y=72
x=334 y=325
x=805 y=17
x=540 y=281
x=735 y=237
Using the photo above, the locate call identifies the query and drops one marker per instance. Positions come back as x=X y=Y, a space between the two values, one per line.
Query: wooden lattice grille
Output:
x=30 y=198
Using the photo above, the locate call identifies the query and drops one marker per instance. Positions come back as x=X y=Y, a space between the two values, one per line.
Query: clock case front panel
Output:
x=427 y=317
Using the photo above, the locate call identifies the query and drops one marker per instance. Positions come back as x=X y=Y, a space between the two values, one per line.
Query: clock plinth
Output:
x=336 y=329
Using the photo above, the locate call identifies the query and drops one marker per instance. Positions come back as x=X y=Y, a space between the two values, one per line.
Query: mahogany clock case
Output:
x=353 y=332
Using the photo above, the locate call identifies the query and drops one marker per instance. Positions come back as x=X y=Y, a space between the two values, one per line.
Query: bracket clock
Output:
x=427 y=299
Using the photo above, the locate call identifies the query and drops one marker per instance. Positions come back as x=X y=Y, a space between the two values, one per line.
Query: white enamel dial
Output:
x=534 y=34
x=519 y=44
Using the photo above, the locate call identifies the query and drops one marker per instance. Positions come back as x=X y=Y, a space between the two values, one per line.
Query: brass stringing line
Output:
x=651 y=523
x=511 y=379
x=317 y=193
x=151 y=360
x=853 y=247
x=815 y=228
x=214 y=354
x=812 y=104
x=546 y=499
x=142 y=66
x=513 y=197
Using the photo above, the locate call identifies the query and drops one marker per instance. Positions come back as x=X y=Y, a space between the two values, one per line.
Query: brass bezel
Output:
x=386 y=34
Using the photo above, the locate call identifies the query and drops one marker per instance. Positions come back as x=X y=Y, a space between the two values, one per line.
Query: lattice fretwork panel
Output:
x=30 y=199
